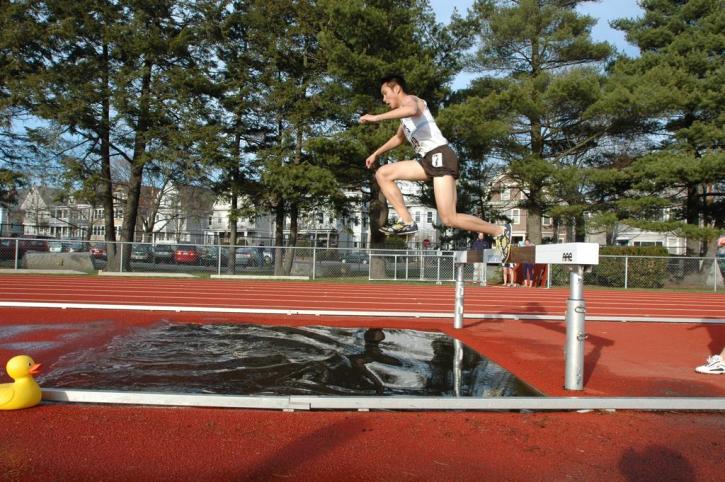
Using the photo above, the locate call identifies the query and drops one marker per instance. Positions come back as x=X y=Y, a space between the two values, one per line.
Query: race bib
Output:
x=437 y=160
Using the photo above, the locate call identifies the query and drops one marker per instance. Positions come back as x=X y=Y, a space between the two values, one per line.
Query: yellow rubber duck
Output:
x=25 y=392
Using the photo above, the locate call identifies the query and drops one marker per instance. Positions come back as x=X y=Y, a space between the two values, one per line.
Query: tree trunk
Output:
x=580 y=228
x=106 y=187
x=139 y=161
x=692 y=209
x=279 y=219
x=234 y=205
x=378 y=217
x=290 y=251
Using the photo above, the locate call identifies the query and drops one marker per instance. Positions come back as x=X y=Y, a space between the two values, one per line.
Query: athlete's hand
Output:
x=371 y=160
x=368 y=118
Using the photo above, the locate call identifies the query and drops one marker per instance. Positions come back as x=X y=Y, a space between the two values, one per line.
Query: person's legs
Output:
x=444 y=188
x=399 y=171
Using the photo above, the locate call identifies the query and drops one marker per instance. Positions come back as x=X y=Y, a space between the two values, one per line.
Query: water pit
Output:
x=248 y=359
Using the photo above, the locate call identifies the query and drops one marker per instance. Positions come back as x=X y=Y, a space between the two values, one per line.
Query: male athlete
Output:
x=434 y=160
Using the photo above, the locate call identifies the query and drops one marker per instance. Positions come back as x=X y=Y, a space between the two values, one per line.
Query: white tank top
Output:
x=422 y=132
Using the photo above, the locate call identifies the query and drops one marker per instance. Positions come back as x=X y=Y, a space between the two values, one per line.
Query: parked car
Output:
x=186 y=254
x=74 y=246
x=142 y=252
x=209 y=255
x=164 y=253
x=354 y=257
x=55 y=246
x=8 y=245
x=66 y=246
x=246 y=257
x=98 y=251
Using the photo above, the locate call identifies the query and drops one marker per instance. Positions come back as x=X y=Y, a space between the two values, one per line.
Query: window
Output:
x=417 y=216
x=648 y=243
x=546 y=221
x=506 y=193
x=430 y=217
x=515 y=215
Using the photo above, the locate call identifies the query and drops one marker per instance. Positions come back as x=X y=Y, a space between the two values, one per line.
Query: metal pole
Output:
x=422 y=266
x=17 y=251
x=457 y=363
x=715 y=277
x=121 y=267
x=219 y=261
x=438 y=269
x=575 y=335
x=314 y=256
x=395 y=267
x=548 y=276
x=484 y=281
x=626 y=271
x=458 y=317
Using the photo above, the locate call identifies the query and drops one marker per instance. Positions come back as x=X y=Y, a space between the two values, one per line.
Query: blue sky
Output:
x=604 y=11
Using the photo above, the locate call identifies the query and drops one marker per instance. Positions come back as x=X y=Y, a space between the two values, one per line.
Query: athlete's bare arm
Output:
x=392 y=143
x=409 y=107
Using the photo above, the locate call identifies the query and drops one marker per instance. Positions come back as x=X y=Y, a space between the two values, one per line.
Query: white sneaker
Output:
x=715 y=366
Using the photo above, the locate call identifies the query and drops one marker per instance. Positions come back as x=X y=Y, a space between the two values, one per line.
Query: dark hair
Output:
x=394 y=79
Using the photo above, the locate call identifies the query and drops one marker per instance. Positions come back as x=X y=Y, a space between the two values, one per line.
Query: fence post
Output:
x=548 y=276
x=395 y=266
x=626 y=271
x=17 y=251
x=715 y=270
x=219 y=261
x=422 y=266
x=314 y=260
x=120 y=267
x=438 y=269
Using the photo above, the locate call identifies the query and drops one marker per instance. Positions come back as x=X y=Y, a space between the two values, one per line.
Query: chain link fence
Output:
x=419 y=265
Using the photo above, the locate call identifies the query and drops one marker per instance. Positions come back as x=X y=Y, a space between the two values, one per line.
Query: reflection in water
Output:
x=273 y=360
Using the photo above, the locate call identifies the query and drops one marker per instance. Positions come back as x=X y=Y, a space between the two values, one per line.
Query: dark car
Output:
x=164 y=253
x=251 y=257
x=142 y=252
x=355 y=257
x=24 y=245
x=209 y=255
x=186 y=254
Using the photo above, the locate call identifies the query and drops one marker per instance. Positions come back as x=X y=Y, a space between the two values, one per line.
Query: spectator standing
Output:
x=479 y=244
x=528 y=269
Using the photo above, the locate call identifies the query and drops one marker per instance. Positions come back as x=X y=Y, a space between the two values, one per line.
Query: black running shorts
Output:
x=441 y=161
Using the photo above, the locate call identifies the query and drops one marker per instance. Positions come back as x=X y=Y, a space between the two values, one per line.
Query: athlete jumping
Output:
x=434 y=160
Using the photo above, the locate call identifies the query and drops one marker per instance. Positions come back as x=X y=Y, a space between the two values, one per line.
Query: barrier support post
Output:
x=575 y=332
x=458 y=318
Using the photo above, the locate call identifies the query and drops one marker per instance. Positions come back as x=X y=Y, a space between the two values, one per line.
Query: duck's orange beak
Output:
x=36 y=368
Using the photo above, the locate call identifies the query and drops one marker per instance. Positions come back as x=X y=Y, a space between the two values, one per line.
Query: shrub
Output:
x=643 y=270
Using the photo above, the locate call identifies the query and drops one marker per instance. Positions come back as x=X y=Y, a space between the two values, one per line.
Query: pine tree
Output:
x=543 y=61
x=677 y=84
x=365 y=40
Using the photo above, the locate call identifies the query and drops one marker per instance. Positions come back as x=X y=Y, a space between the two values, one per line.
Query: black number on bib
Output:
x=437 y=160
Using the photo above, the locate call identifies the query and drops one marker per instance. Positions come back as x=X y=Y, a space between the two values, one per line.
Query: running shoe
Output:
x=400 y=229
x=715 y=366
x=503 y=243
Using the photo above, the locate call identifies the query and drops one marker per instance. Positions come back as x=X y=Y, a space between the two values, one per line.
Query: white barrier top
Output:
x=568 y=253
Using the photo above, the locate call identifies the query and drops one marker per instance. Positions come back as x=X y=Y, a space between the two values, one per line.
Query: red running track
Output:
x=353 y=297
x=94 y=442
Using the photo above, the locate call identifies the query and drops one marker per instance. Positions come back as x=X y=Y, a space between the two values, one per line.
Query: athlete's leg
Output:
x=399 y=171
x=444 y=188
